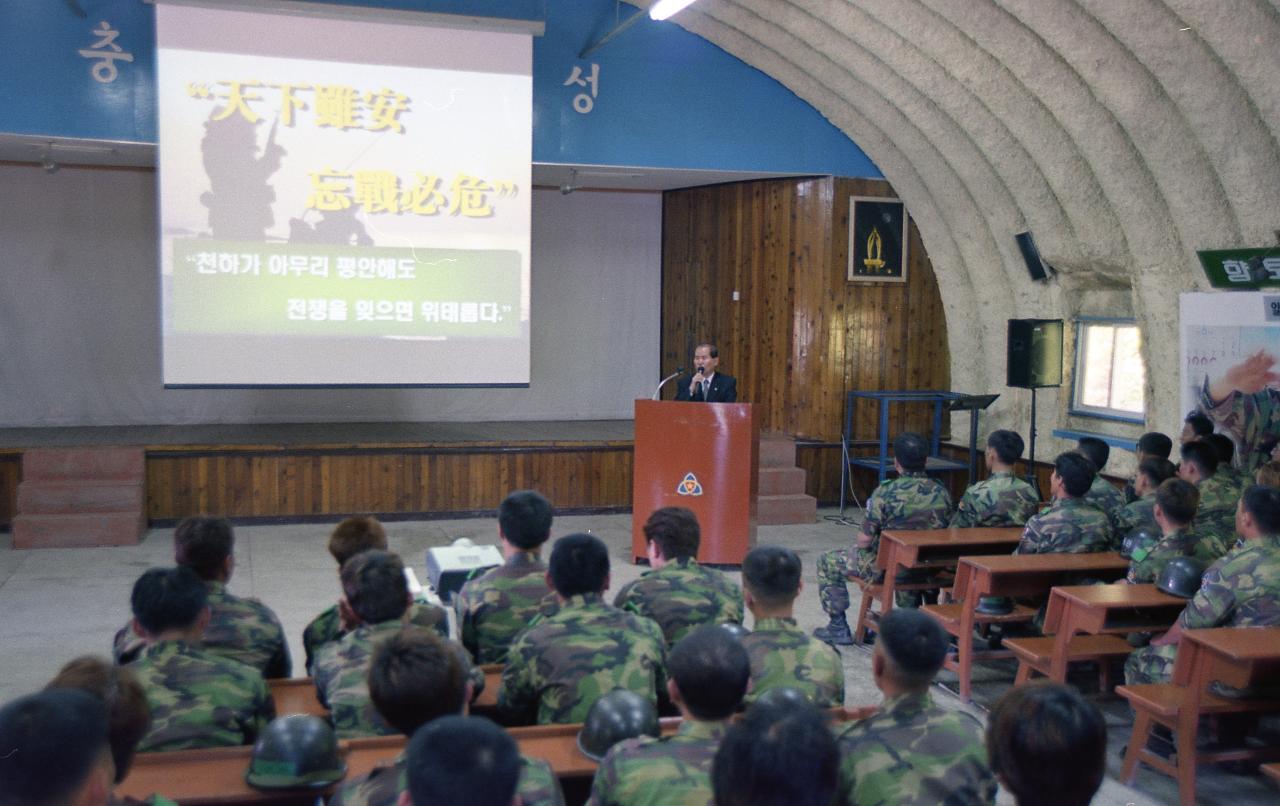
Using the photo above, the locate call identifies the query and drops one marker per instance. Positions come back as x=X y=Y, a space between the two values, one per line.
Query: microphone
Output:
x=699 y=370
x=657 y=392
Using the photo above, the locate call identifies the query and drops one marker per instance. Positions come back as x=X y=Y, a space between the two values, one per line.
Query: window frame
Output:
x=1079 y=409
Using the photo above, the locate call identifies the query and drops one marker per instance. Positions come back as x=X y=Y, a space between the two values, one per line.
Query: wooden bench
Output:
x=297 y=695
x=1037 y=654
x=1272 y=771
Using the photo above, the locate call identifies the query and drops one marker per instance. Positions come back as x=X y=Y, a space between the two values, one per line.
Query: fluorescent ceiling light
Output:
x=665 y=8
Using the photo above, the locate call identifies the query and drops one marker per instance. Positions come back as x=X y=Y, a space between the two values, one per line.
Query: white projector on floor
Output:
x=450 y=566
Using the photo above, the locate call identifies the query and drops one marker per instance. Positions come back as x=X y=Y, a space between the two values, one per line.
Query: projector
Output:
x=450 y=566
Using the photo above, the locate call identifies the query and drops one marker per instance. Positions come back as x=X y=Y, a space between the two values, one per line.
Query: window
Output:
x=1110 y=377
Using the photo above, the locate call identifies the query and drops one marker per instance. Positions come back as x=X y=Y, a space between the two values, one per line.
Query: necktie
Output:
x=705 y=386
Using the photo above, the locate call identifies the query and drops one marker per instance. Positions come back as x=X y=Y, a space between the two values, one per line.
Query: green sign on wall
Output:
x=1245 y=269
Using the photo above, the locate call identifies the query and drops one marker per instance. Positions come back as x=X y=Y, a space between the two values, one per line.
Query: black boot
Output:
x=836 y=633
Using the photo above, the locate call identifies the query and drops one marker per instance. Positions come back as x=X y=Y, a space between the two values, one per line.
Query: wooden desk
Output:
x=936 y=549
x=297 y=695
x=1104 y=609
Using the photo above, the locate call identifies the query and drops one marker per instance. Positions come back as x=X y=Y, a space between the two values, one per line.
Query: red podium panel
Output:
x=702 y=456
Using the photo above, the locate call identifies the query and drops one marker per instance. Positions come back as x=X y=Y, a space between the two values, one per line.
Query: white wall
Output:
x=80 y=331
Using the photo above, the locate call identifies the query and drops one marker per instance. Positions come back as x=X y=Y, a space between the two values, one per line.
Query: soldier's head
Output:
x=354 y=535
x=1176 y=503
x=1268 y=475
x=709 y=671
x=170 y=602
x=1095 y=450
x=374 y=586
x=910 y=452
x=1199 y=461
x=1195 y=426
x=54 y=750
x=1004 y=448
x=1153 y=472
x=1224 y=447
x=579 y=565
x=1072 y=475
x=414 y=678
x=771 y=579
x=116 y=687
x=458 y=759
x=1258 y=513
x=205 y=545
x=671 y=533
x=1153 y=445
x=1047 y=744
x=777 y=756
x=909 y=652
x=524 y=519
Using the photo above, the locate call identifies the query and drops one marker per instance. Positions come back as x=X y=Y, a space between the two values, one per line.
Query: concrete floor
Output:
x=58 y=604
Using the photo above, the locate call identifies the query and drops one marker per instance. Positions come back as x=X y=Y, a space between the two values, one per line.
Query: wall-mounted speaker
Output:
x=1035 y=353
x=1036 y=267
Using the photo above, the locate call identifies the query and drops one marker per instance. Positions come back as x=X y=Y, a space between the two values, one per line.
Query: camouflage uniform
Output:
x=911 y=501
x=1147 y=563
x=1215 y=519
x=538 y=785
x=1001 y=499
x=495 y=607
x=559 y=666
x=783 y=655
x=655 y=772
x=1068 y=526
x=1105 y=496
x=199 y=699
x=1140 y=512
x=342 y=684
x=1250 y=420
x=327 y=627
x=1235 y=478
x=1240 y=590
x=913 y=752
x=244 y=630
x=681 y=596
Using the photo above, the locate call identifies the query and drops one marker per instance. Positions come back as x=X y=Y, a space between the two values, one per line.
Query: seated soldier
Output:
x=1070 y=525
x=1102 y=494
x=708 y=673
x=1001 y=499
x=1215 y=522
x=415 y=677
x=559 y=666
x=912 y=751
x=782 y=655
x=197 y=698
x=350 y=537
x=678 y=593
x=462 y=760
x=54 y=750
x=1226 y=450
x=494 y=608
x=1047 y=745
x=1151 y=445
x=1241 y=589
x=1175 y=507
x=1139 y=512
x=777 y=756
x=243 y=630
x=1197 y=425
x=911 y=501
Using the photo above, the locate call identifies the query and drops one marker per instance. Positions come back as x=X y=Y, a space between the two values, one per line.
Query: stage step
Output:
x=780 y=497
x=78 y=497
x=776 y=510
x=781 y=480
x=62 y=497
x=78 y=464
x=77 y=531
x=777 y=452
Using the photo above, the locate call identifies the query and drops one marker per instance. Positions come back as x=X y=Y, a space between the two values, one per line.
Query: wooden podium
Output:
x=705 y=457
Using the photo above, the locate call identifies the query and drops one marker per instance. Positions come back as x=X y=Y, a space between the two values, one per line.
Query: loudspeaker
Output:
x=1035 y=353
x=1036 y=267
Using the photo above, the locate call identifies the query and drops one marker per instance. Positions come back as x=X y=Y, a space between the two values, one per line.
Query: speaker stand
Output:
x=1031 y=454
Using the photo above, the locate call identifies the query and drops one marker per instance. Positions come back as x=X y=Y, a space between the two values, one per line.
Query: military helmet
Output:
x=735 y=629
x=1181 y=577
x=1138 y=542
x=294 y=752
x=618 y=715
x=788 y=697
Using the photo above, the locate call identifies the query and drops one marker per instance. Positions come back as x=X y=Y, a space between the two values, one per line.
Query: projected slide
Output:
x=342 y=201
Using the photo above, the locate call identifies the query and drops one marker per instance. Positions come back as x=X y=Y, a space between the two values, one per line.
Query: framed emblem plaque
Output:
x=877 y=240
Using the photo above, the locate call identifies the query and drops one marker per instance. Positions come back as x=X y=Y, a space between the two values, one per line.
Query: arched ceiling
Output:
x=1125 y=135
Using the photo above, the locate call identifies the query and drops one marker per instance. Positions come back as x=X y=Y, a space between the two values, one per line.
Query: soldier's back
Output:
x=1240 y=590
x=495 y=607
x=672 y=770
x=681 y=596
x=327 y=627
x=1000 y=500
x=1147 y=563
x=1105 y=496
x=784 y=656
x=911 y=501
x=1215 y=518
x=341 y=677
x=1069 y=526
x=1140 y=512
x=537 y=786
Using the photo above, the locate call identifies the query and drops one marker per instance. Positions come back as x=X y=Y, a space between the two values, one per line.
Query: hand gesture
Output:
x=1250 y=376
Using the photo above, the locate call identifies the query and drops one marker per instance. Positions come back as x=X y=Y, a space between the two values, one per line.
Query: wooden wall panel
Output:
x=10 y=476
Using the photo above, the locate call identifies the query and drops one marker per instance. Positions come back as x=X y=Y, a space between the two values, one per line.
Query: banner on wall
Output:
x=1221 y=333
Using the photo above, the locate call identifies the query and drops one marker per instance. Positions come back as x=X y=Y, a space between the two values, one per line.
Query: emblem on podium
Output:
x=689 y=485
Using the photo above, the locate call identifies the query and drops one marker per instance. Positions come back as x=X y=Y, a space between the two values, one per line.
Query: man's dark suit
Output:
x=724 y=389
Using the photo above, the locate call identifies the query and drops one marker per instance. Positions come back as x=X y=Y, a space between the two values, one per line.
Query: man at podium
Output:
x=706 y=385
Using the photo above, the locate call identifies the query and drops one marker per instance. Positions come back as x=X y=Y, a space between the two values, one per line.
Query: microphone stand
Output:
x=657 y=392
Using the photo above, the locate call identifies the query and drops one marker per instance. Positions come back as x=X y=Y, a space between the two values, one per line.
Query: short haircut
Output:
x=458 y=759
x=1007 y=444
x=1200 y=424
x=1201 y=454
x=204 y=544
x=416 y=677
x=1153 y=443
x=1095 y=450
x=1178 y=500
x=712 y=349
x=1076 y=471
x=1263 y=503
x=914 y=644
x=49 y=744
x=711 y=668
x=167 y=599
x=117 y=687
x=354 y=535
x=374 y=584
x=675 y=530
x=777 y=756
x=772 y=574
x=1047 y=744
x=1268 y=475
x=911 y=451
x=525 y=519
x=579 y=564
x=1157 y=471
x=1225 y=448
